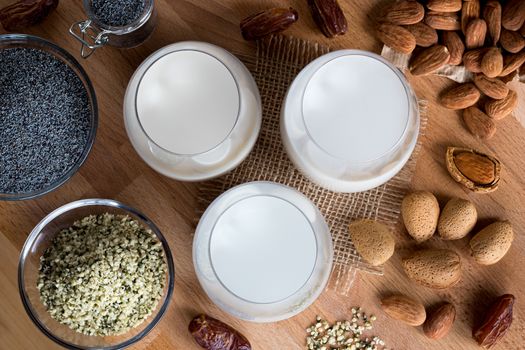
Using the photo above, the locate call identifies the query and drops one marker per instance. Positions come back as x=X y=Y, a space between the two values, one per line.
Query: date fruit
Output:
x=25 y=13
x=268 y=22
x=212 y=334
x=496 y=323
x=329 y=17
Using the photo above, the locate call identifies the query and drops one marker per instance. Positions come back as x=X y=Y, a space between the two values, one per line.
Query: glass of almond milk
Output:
x=192 y=111
x=350 y=121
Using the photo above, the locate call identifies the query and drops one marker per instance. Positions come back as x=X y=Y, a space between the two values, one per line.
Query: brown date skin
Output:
x=329 y=17
x=496 y=322
x=268 y=22
x=25 y=13
x=213 y=334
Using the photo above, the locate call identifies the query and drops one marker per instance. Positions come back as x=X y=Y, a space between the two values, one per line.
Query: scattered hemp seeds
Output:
x=103 y=275
x=343 y=335
x=45 y=119
x=118 y=13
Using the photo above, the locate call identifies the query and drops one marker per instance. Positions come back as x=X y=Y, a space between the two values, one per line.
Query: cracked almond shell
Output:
x=476 y=171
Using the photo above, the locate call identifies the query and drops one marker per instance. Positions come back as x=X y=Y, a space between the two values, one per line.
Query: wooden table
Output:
x=114 y=170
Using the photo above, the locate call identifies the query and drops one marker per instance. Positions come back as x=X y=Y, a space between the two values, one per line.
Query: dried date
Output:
x=268 y=22
x=213 y=334
x=496 y=322
x=329 y=17
x=25 y=13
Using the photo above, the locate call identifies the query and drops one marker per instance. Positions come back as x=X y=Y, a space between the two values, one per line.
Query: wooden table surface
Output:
x=114 y=170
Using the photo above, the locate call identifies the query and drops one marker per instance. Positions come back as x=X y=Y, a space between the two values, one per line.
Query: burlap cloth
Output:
x=276 y=63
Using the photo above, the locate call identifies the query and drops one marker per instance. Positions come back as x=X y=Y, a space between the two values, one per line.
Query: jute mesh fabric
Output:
x=276 y=63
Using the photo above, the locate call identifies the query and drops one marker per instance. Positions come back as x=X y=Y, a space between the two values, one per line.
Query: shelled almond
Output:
x=486 y=37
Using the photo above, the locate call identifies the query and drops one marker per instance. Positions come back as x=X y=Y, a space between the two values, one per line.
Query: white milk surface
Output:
x=355 y=108
x=187 y=102
x=263 y=249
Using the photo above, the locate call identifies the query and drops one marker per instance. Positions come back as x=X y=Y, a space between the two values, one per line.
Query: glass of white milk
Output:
x=350 y=121
x=262 y=252
x=192 y=111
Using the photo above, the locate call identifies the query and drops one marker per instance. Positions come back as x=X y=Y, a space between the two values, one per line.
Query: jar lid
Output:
x=262 y=252
x=350 y=121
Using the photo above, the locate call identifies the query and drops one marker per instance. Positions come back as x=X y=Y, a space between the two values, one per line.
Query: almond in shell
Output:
x=396 y=37
x=472 y=59
x=444 y=5
x=420 y=212
x=499 y=109
x=404 y=12
x=460 y=96
x=372 y=240
x=443 y=20
x=454 y=45
x=492 y=87
x=477 y=171
x=475 y=33
x=434 y=268
x=513 y=14
x=469 y=11
x=492 y=15
x=429 y=60
x=425 y=35
x=404 y=308
x=491 y=244
x=511 y=41
x=458 y=218
x=512 y=62
x=440 y=321
x=478 y=123
x=492 y=62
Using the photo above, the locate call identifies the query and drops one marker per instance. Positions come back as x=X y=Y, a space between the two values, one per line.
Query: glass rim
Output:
x=120 y=30
x=150 y=64
x=35 y=233
x=399 y=75
x=31 y=41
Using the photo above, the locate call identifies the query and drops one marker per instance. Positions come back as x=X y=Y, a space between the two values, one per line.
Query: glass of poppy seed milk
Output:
x=192 y=111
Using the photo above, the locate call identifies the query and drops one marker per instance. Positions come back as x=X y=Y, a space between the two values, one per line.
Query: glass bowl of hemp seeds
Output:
x=96 y=274
x=48 y=116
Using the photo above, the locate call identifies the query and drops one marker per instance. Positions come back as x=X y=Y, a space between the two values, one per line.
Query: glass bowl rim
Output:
x=67 y=58
x=35 y=233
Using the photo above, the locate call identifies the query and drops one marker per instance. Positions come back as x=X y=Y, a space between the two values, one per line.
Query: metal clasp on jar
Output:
x=90 y=36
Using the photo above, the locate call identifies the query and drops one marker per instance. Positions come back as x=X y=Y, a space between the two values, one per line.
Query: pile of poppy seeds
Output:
x=45 y=120
x=118 y=13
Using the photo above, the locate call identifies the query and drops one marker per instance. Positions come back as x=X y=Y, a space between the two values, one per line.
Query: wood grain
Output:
x=114 y=170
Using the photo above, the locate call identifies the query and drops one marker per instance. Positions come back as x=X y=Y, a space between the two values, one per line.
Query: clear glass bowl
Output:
x=28 y=266
x=28 y=41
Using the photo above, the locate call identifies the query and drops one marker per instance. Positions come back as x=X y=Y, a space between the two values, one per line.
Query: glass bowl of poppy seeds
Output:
x=48 y=116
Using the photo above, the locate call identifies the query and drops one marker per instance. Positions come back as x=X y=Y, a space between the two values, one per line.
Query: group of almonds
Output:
x=488 y=40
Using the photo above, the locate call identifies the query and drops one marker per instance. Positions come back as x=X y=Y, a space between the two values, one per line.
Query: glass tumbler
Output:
x=93 y=33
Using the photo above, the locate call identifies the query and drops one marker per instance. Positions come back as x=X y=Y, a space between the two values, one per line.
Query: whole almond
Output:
x=475 y=33
x=472 y=59
x=511 y=41
x=429 y=60
x=460 y=96
x=403 y=308
x=396 y=37
x=443 y=20
x=491 y=244
x=434 y=268
x=372 y=240
x=499 y=109
x=512 y=62
x=420 y=213
x=513 y=14
x=492 y=15
x=492 y=62
x=458 y=218
x=439 y=322
x=454 y=45
x=469 y=11
x=404 y=12
x=478 y=123
x=492 y=87
x=444 y=5
x=425 y=35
